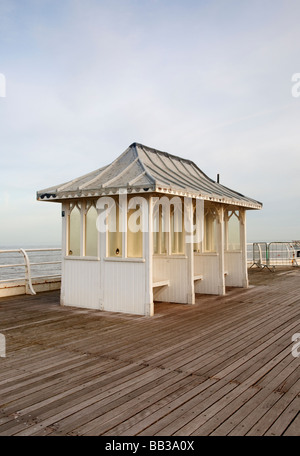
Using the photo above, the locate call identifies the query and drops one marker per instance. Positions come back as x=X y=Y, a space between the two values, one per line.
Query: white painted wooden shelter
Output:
x=149 y=226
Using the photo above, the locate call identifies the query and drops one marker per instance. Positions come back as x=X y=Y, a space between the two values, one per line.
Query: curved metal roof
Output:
x=144 y=169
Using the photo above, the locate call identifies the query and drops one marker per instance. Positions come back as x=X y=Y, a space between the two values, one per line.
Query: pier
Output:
x=223 y=366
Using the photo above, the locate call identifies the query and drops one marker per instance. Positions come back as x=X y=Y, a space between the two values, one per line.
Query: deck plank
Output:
x=220 y=367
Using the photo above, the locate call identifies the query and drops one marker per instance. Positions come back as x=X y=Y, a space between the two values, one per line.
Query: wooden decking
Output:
x=221 y=367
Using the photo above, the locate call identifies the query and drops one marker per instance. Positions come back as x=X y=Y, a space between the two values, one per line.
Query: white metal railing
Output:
x=271 y=254
x=27 y=265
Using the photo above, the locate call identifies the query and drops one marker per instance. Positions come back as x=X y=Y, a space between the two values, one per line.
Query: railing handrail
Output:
x=44 y=249
x=27 y=265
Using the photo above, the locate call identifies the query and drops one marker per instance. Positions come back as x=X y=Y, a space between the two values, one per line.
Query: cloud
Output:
x=210 y=81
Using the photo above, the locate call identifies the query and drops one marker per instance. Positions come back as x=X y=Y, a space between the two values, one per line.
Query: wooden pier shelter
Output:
x=149 y=226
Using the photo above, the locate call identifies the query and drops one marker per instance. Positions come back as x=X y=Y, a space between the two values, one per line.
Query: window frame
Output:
x=73 y=206
x=235 y=212
x=210 y=211
x=83 y=208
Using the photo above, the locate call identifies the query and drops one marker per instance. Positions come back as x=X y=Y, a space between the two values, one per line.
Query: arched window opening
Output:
x=233 y=229
x=91 y=232
x=210 y=231
x=74 y=232
x=134 y=233
x=177 y=229
x=114 y=234
x=160 y=228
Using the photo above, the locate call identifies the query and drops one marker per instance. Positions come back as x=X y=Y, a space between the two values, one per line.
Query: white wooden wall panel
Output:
x=124 y=287
x=207 y=265
x=233 y=262
x=81 y=283
x=175 y=270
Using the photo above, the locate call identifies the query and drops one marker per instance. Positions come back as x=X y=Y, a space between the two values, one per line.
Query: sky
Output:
x=207 y=80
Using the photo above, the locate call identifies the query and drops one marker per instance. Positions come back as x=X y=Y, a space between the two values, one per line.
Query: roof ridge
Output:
x=167 y=154
x=144 y=167
x=176 y=157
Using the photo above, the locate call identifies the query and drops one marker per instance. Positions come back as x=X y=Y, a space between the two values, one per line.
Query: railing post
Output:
x=28 y=284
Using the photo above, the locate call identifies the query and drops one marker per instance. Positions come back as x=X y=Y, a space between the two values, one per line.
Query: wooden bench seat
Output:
x=198 y=277
x=161 y=283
